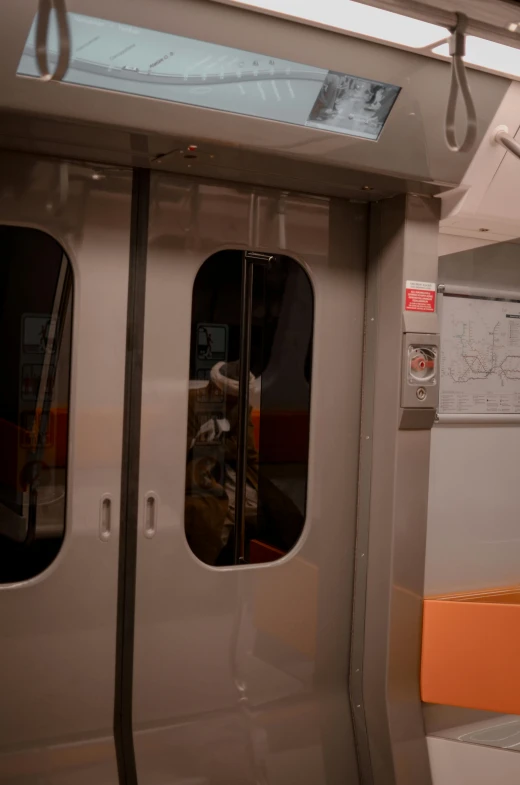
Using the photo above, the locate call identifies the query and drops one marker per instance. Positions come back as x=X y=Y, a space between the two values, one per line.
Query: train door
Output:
x=64 y=269
x=245 y=542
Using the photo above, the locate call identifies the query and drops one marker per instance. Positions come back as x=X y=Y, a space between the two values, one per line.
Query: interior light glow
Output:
x=358 y=18
x=488 y=55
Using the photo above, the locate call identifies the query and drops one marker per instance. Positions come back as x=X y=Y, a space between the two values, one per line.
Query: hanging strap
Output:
x=42 y=30
x=459 y=81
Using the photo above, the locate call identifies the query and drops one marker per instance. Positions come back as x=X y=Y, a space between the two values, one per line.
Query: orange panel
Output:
x=261 y=552
x=471 y=651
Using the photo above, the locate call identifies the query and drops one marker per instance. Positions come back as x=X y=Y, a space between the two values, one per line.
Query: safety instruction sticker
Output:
x=420 y=296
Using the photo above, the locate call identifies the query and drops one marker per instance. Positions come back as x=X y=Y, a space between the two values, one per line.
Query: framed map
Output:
x=480 y=355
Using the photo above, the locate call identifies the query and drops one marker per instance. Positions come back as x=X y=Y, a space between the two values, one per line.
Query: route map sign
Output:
x=127 y=59
x=480 y=356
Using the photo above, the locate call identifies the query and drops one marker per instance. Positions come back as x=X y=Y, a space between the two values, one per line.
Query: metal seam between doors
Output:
x=357 y=648
x=130 y=479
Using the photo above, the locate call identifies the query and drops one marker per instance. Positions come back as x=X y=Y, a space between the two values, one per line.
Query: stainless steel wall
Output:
x=393 y=504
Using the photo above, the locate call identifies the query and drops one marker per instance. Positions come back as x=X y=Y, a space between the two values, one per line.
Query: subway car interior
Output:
x=259 y=488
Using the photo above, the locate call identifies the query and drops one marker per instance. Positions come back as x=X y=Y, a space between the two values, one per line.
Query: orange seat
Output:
x=471 y=651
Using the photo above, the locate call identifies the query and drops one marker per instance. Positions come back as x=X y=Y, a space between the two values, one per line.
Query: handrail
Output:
x=459 y=81
x=42 y=30
x=44 y=398
x=249 y=259
x=501 y=136
x=246 y=317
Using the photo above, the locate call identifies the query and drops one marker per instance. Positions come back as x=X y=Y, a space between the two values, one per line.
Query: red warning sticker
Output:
x=420 y=296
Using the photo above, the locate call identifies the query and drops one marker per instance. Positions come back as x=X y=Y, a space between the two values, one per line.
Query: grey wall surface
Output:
x=473 y=539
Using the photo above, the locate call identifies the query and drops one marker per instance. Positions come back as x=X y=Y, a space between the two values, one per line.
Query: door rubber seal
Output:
x=123 y=730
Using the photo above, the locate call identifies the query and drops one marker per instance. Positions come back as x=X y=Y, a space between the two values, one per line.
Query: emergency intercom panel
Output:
x=420 y=371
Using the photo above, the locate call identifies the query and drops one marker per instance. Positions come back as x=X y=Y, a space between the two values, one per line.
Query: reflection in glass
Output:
x=35 y=322
x=279 y=398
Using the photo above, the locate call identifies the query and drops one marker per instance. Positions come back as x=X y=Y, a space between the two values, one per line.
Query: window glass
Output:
x=277 y=449
x=35 y=325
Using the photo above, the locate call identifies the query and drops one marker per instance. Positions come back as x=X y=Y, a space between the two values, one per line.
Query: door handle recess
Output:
x=105 y=517
x=150 y=515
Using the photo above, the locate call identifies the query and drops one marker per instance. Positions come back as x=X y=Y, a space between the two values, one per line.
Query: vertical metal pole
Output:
x=45 y=390
x=246 y=307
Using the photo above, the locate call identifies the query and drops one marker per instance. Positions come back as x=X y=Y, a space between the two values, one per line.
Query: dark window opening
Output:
x=36 y=326
x=282 y=309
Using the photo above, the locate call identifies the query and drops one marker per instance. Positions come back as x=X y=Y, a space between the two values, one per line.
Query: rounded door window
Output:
x=248 y=483
x=35 y=325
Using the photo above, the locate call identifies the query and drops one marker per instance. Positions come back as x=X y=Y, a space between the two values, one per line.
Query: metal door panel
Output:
x=57 y=659
x=240 y=675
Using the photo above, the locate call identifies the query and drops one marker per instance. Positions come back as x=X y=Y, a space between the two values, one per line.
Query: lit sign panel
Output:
x=125 y=59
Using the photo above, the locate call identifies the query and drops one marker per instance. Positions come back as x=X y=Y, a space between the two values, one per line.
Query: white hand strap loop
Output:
x=42 y=30
x=459 y=81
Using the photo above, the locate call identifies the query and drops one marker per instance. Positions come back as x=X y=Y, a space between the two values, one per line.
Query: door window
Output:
x=254 y=513
x=35 y=348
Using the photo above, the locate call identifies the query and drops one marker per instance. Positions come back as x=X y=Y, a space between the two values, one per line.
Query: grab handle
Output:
x=503 y=137
x=105 y=518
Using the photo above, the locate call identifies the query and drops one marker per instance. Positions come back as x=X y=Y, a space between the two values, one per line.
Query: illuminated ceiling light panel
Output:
x=365 y=20
x=488 y=55
x=357 y=18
